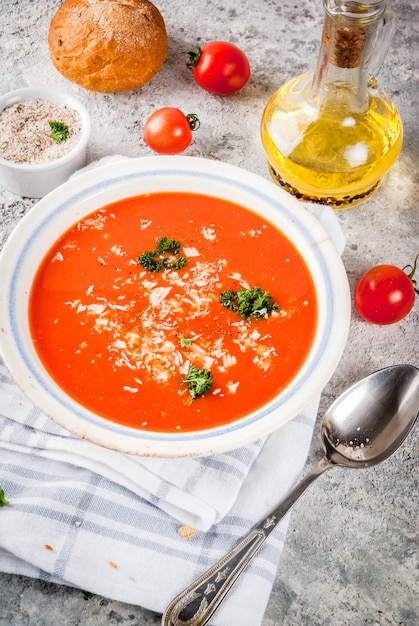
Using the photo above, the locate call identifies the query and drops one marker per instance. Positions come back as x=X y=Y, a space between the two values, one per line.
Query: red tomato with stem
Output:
x=384 y=294
x=219 y=67
x=169 y=131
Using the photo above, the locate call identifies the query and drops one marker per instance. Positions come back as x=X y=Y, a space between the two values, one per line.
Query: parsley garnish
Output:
x=88 y=595
x=249 y=302
x=158 y=259
x=167 y=245
x=178 y=264
x=185 y=342
x=198 y=381
x=3 y=501
x=59 y=131
x=149 y=262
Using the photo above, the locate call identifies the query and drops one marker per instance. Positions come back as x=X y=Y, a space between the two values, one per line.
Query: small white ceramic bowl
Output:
x=36 y=180
x=56 y=213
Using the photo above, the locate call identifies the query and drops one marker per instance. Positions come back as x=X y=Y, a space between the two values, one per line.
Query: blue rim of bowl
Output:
x=177 y=437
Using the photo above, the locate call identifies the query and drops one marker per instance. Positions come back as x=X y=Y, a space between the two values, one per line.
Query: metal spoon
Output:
x=363 y=427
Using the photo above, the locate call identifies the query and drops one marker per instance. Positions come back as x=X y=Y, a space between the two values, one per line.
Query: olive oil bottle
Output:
x=331 y=135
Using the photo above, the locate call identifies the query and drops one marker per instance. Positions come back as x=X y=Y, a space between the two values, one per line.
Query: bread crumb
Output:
x=186 y=532
x=112 y=564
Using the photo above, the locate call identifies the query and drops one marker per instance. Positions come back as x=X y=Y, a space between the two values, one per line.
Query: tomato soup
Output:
x=121 y=338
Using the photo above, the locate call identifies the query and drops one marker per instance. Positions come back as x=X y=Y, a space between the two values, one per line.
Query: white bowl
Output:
x=62 y=208
x=36 y=180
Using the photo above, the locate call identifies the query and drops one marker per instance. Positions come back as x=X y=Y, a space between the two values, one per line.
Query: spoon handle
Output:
x=196 y=604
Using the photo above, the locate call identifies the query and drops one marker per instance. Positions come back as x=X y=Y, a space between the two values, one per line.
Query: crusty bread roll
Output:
x=108 y=45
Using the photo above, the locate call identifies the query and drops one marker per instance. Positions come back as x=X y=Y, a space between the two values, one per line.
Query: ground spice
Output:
x=25 y=133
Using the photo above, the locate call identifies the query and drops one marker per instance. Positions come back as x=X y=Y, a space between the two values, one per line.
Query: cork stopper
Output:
x=347 y=44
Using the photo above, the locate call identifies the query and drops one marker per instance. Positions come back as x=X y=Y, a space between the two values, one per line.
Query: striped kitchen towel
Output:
x=127 y=527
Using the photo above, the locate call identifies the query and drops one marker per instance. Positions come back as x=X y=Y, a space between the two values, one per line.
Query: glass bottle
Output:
x=331 y=135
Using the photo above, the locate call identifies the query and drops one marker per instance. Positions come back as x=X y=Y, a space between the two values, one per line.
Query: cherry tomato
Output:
x=169 y=131
x=384 y=294
x=219 y=67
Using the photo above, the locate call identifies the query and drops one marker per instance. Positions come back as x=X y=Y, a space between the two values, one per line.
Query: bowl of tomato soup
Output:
x=171 y=306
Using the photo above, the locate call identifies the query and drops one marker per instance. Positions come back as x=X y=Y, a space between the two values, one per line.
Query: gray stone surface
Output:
x=351 y=553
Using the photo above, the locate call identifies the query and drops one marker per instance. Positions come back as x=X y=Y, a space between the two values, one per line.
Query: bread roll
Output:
x=108 y=45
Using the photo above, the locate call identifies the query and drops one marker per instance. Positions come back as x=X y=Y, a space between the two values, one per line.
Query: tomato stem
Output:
x=194 y=54
x=193 y=121
x=412 y=272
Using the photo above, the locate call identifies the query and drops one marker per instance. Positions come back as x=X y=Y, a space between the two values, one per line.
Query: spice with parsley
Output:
x=37 y=131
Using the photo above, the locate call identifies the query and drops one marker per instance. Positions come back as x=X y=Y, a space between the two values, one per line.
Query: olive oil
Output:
x=331 y=135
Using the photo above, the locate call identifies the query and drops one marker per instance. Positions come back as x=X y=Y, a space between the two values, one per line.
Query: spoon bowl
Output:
x=363 y=427
x=371 y=419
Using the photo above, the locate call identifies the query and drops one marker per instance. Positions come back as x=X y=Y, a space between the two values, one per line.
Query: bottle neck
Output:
x=342 y=71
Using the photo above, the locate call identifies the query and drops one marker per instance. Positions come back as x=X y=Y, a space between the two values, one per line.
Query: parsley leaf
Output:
x=164 y=244
x=3 y=501
x=184 y=342
x=149 y=262
x=249 y=302
x=59 y=131
x=158 y=260
x=198 y=381
x=88 y=595
x=178 y=264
